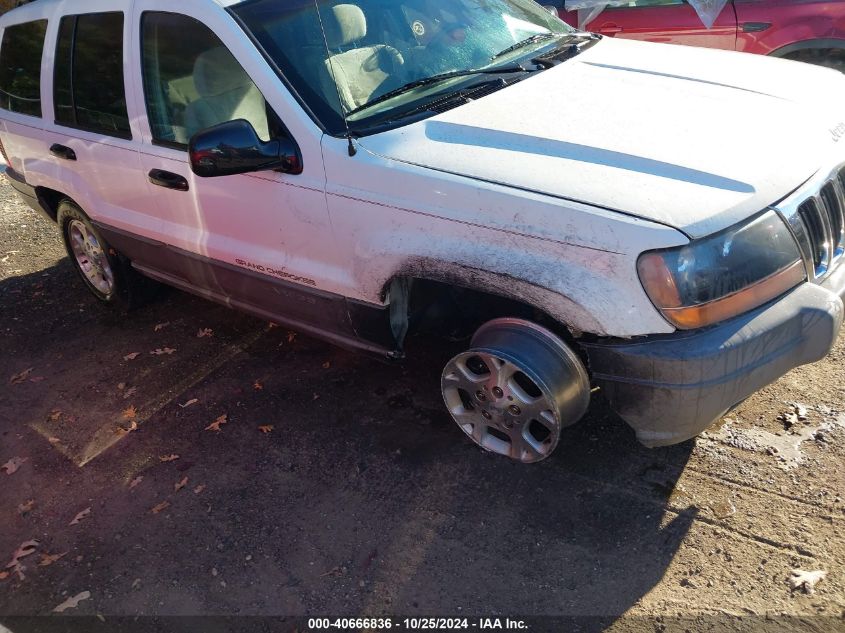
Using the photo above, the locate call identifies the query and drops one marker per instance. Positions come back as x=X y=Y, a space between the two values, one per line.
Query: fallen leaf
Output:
x=54 y=440
x=189 y=403
x=24 y=549
x=199 y=489
x=36 y=379
x=79 y=517
x=806 y=580
x=21 y=377
x=4 y=575
x=55 y=414
x=49 y=559
x=257 y=385
x=130 y=413
x=133 y=426
x=180 y=484
x=162 y=351
x=136 y=481
x=130 y=392
x=266 y=428
x=327 y=364
x=168 y=458
x=272 y=325
x=13 y=464
x=72 y=603
x=161 y=326
x=215 y=426
x=316 y=396
x=132 y=356
x=205 y=332
x=161 y=506
x=23 y=508
x=136 y=583
x=291 y=337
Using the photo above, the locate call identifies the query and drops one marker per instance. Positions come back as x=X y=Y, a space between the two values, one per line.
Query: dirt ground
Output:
x=337 y=485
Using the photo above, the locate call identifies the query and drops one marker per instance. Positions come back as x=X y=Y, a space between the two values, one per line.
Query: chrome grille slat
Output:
x=816 y=214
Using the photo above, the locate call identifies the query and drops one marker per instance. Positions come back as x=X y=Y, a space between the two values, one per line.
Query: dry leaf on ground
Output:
x=161 y=326
x=21 y=377
x=168 y=458
x=136 y=481
x=24 y=549
x=130 y=413
x=13 y=464
x=327 y=364
x=23 y=508
x=161 y=506
x=266 y=428
x=49 y=559
x=4 y=575
x=133 y=426
x=54 y=440
x=189 y=403
x=180 y=484
x=79 y=517
x=215 y=426
x=162 y=351
x=132 y=356
x=55 y=414
x=205 y=332
x=806 y=580
x=291 y=337
x=130 y=392
x=37 y=379
x=199 y=489
x=72 y=603
x=257 y=385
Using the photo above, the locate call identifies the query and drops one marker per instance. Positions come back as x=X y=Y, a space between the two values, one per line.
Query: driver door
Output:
x=253 y=241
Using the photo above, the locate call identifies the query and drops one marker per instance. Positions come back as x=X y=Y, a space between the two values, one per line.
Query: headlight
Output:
x=723 y=275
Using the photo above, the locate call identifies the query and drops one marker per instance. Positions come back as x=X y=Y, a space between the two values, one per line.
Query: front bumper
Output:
x=670 y=388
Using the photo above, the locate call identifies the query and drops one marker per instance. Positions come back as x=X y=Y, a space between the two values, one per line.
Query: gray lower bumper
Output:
x=670 y=388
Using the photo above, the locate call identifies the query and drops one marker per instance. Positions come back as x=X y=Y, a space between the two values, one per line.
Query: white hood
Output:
x=693 y=138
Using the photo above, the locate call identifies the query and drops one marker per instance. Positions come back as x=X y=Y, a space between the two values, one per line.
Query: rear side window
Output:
x=20 y=67
x=89 y=91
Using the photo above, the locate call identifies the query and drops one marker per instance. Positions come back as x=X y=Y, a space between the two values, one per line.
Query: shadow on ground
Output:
x=363 y=499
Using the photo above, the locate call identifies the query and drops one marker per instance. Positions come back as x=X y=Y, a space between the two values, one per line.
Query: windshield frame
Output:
x=332 y=123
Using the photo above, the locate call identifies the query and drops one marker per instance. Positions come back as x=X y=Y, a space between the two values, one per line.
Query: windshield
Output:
x=341 y=59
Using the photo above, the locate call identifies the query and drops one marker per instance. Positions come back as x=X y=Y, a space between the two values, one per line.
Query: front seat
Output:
x=360 y=73
x=225 y=93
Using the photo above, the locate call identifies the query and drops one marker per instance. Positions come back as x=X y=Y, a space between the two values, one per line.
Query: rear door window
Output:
x=20 y=67
x=89 y=91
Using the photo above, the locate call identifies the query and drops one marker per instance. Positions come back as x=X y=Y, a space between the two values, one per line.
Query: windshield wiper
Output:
x=513 y=68
x=537 y=37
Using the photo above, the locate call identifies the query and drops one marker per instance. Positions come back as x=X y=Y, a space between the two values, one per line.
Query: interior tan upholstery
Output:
x=225 y=93
x=359 y=72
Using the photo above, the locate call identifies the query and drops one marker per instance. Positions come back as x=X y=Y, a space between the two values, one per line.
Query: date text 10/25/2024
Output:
x=416 y=624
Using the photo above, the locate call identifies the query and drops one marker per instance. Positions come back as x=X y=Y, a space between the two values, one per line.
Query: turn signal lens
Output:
x=723 y=275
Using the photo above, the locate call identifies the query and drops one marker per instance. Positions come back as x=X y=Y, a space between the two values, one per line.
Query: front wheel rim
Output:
x=499 y=407
x=516 y=387
x=90 y=257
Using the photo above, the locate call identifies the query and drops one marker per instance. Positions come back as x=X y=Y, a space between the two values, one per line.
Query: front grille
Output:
x=822 y=221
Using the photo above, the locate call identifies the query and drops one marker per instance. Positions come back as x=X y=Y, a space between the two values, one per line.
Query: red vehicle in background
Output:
x=806 y=30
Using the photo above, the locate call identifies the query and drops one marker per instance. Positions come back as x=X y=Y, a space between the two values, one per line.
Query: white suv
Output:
x=663 y=223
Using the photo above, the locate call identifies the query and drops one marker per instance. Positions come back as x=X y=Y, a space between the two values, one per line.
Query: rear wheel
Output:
x=515 y=388
x=105 y=273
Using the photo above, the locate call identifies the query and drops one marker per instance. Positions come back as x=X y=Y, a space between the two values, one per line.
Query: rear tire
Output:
x=106 y=273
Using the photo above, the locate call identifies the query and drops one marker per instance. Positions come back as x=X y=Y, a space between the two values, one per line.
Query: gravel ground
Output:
x=338 y=484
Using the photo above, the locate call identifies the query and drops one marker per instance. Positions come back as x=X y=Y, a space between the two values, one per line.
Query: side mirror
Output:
x=234 y=148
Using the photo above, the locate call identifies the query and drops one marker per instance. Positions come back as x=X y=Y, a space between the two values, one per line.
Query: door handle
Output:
x=62 y=151
x=609 y=29
x=168 y=180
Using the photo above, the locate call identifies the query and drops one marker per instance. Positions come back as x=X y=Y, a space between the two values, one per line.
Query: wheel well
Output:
x=50 y=199
x=453 y=311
